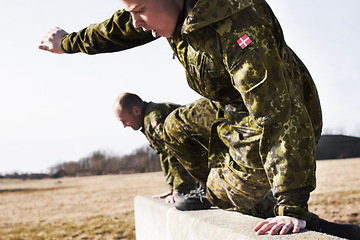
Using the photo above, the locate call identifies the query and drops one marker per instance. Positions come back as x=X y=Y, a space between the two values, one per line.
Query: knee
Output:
x=171 y=127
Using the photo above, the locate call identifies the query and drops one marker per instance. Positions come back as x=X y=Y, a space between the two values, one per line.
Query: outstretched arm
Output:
x=112 y=35
x=52 y=40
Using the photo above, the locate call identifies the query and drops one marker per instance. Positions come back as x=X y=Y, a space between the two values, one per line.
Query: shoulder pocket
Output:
x=248 y=73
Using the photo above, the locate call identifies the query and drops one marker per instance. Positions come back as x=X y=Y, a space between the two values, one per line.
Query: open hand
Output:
x=279 y=225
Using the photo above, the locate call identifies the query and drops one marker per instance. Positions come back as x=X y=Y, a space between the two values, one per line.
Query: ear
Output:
x=136 y=110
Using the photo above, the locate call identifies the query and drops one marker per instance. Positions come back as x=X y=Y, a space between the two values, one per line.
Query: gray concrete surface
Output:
x=155 y=219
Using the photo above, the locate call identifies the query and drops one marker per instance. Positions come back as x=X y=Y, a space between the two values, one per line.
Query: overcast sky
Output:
x=57 y=108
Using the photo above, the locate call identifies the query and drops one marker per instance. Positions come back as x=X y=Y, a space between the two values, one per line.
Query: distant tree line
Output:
x=145 y=159
x=25 y=176
x=142 y=160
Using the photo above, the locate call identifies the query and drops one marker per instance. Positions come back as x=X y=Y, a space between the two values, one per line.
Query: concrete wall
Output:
x=155 y=219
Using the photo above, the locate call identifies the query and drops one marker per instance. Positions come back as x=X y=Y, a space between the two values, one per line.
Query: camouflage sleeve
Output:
x=115 y=34
x=286 y=137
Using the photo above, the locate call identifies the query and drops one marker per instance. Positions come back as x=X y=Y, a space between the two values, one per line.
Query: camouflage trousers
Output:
x=187 y=134
x=242 y=191
x=188 y=131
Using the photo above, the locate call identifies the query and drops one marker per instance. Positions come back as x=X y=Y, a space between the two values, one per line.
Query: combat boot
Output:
x=195 y=200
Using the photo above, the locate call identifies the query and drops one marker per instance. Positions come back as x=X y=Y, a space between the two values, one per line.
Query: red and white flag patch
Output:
x=154 y=123
x=244 y=41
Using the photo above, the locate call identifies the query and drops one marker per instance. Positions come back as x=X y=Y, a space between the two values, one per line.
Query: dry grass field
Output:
x=101 y=207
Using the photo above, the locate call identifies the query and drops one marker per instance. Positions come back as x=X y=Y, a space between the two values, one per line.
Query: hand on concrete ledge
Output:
x=163 y=195
x=279 y=225
x=173 y=197
x=170 y=197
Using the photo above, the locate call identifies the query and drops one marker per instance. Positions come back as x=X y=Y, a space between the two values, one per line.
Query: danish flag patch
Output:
x=154 y=123
x=244 y=41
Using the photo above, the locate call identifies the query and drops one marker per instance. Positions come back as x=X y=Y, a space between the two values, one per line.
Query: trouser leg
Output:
x=181 y=180
x=245 y=192
x=187 y=133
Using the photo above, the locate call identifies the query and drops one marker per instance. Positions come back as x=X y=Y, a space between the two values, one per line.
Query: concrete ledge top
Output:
x=160 y=220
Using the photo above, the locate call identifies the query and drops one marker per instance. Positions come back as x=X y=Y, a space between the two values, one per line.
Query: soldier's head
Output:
x=128 y=108
x=158 y=16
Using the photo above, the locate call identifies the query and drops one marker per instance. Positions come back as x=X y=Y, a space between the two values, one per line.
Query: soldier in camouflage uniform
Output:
x=268 y=111
x=149 y=117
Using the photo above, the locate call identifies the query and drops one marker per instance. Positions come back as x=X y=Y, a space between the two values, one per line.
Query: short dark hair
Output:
x=129 y=100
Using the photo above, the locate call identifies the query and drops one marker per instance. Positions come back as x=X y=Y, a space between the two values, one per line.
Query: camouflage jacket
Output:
x=154 y=116
x=235 y=54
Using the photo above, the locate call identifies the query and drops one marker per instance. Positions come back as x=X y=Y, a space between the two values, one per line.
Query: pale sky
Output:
x=57 y=108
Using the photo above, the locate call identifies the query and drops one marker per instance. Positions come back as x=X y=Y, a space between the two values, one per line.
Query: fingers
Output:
x=162 y=195
x=51 y=41
x=44 y=47
x=45 y=42
x=282 y=229
x=296 y=228
x=259 y=225
x=301 y=224
x=170 y=199
x=273 y=228
x=263 y=227
x=279 y=225
x=159 y=196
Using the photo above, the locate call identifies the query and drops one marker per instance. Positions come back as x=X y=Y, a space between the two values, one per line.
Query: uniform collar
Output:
x=204 y=12
x=145 y=106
